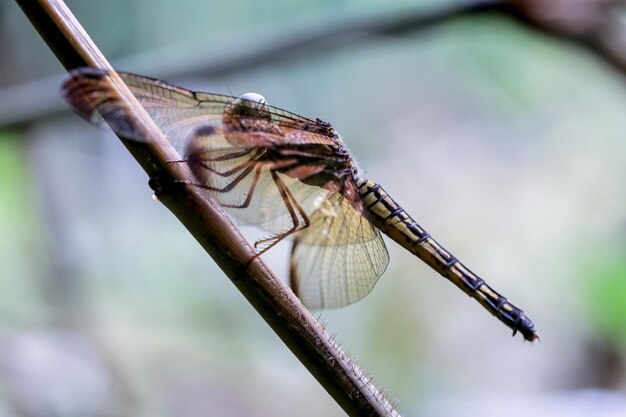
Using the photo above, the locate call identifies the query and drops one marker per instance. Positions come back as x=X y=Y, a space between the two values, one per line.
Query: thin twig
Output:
x=32 y=100
x=275 y=302
x=592 y=24
x=595 y=25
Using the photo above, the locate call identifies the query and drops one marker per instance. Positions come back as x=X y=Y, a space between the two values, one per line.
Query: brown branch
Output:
x=594 y=25
x=591 y=24
x=32 y=100
x=275 y=302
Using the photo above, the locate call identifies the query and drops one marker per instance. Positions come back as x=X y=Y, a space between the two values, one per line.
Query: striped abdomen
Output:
x=392 y=220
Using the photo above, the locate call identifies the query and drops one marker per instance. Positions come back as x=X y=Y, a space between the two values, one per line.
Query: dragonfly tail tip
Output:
x=534 y=338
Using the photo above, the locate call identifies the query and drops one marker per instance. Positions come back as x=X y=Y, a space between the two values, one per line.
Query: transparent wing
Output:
x=337 y=260
x=224 y=156
x=267 y=167
x=176 y=111
x=238 y=174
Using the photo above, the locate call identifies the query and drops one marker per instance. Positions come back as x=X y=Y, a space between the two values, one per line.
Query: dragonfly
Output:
x=292 y=176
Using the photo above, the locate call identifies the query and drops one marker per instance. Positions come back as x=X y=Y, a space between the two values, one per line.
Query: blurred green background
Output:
x=507 y=145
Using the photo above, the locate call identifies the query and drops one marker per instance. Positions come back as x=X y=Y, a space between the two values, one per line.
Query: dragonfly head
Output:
x=250 y=105
x=253 y=97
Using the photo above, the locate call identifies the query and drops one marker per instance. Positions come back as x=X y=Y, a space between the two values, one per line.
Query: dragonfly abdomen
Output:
x=396 y=223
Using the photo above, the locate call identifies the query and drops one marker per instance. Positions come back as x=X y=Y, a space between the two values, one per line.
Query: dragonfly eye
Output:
x=253 y=97
x=250 y=104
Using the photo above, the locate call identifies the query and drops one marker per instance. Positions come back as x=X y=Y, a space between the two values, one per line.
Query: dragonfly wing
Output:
x=238 y=174
x=225 y=155
x=176 y=111
x=337 y=260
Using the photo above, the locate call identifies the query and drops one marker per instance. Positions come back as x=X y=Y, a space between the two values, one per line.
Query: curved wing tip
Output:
x=74 y=75
x=74 y=92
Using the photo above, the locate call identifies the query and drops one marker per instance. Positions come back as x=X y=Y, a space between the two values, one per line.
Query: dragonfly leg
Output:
x=230 y=156
x=292 y=206
x=255 y=155
x=228 y=187
x=204 y=162
x=257 y=174
x=255 y=181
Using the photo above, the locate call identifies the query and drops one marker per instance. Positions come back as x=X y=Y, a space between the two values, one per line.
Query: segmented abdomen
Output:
x=392 y=220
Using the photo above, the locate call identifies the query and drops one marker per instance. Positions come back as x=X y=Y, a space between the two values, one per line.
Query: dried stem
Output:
x=275 y=302
x=594 y=25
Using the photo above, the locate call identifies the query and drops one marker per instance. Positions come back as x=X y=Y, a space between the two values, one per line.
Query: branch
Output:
x=594 y=25
x=274 y=301
x=35 y=99
x=591 y=24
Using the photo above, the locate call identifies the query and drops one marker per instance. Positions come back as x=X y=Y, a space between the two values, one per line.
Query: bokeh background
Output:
x=507 y=144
